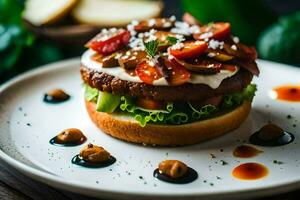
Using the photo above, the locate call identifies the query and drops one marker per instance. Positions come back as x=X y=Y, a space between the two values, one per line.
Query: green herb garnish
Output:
x=151 y=47
x=223 y=162
x=277 y=162
x=172 y=40
x=212 y=155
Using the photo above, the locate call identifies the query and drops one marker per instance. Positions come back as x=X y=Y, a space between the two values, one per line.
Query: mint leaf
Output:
x=151 y=47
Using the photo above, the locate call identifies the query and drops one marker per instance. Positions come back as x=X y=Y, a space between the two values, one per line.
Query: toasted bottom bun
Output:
x=168 y=135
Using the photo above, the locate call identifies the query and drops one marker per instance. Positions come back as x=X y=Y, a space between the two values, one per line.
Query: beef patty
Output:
x=185 y=92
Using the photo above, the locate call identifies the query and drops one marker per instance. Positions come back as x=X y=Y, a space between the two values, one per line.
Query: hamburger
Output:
x=167 y=82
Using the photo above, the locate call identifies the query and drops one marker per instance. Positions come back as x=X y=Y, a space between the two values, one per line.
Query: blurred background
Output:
x=37 y=32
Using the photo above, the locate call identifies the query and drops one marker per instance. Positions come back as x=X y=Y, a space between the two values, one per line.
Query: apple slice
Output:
x=44 y=12
x=116 y=13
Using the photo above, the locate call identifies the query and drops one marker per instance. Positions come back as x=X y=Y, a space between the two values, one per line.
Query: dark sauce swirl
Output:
x=189 y=177
x=69 y=137
x=271 y=135
x=285 y=139
x=81 y=162
x=56 y=96
x=55 y=142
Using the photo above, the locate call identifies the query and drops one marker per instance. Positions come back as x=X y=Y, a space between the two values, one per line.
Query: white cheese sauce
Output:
x=213 y=80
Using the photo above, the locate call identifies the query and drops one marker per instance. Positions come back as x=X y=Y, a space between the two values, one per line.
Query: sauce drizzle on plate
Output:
x=175 y=171
x=69 y=137
x=190 y=176
x=245 y=151
x=271 y=135
x=56 y=96
x=81 y=162
x=250 y=171
x=93 y=156
x=287 y=93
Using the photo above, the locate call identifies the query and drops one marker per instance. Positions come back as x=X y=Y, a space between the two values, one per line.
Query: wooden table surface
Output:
x=16 y=186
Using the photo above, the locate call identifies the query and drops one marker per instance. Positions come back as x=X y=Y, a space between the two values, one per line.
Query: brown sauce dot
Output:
x=173 y=168
x=174 y=171
x=271 y=135
x=288 y=93
x=245 y=151
x=69 y=137
x=56 y=96
x=93 y=156
x=250 y=171
x=270 y=132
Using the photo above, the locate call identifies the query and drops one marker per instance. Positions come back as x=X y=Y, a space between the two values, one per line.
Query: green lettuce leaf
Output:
x=144 y=116
x=203 y=112
x=233 y=100
x=173 y=113
x=177 y=117
x=107 y=102
x=90 y=94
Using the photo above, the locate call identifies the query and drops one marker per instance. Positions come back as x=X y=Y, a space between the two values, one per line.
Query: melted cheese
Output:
x=212 y=81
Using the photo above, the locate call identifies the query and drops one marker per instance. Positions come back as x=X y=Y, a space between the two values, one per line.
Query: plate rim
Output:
x=76 y=186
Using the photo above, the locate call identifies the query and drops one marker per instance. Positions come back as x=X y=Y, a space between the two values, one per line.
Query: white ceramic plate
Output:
x=27 y=124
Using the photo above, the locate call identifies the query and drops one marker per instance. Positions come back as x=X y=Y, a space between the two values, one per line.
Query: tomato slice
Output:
x=190 y=50
x=231 y=68
x=177 y=74
x=150 y=104
x=109 y=42
x=218 y=31
x=147 y=72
